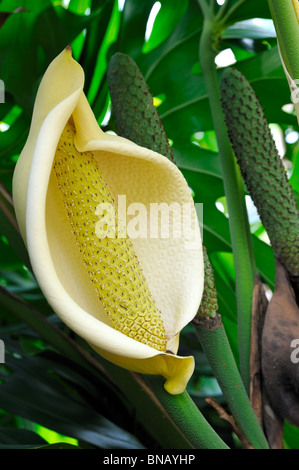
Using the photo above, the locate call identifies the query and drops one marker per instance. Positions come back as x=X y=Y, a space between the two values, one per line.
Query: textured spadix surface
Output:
x=106 y=250
x=89 y=284
x=261 y=167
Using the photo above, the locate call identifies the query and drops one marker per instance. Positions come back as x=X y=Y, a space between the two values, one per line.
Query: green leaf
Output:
x=31 y=391
x=59 y=445
x=250 y=29
x=294 y=180
x=19 y=438
x=133 y=27
x=242 y=9
x=13 y=139
x=18 y=71
x=165 y=22
x=46 y=31
x=9 y=229
x=93 y=44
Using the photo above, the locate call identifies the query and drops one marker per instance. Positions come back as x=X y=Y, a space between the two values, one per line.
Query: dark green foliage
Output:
x=136 y=116
x=261 y=167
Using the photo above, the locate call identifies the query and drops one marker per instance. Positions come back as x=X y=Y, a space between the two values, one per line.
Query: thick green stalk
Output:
x=186 y=417
x=287 y=29
x=239 y=228
x=214 y=342
x=212 y=336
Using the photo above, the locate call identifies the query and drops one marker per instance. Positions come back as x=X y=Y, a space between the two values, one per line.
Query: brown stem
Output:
x=224 y=415
x=259 y=306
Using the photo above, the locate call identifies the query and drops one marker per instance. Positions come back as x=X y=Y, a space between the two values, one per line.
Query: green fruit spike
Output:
x=261 y=167
x=209 y=305
x=137 y=118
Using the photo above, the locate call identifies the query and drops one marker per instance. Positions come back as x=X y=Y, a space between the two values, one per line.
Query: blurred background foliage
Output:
x=53 y=390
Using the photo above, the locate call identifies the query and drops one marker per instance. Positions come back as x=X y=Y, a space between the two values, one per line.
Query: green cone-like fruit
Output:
x=261 y=167
x=209 y=305
x=137 y=118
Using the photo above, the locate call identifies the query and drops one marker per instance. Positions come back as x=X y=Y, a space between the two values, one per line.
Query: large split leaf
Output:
x=30 y=40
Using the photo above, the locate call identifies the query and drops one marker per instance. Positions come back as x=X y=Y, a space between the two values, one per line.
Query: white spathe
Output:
x=173 y=269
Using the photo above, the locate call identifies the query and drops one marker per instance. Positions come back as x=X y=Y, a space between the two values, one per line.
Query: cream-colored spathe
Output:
x=296 y=8
x=173 y=268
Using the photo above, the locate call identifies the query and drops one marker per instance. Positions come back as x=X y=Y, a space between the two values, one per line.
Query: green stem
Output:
x=218 y=351
x=225 y=19
x=221 y=11
x=287 y=29
x=186 y=416
x=212 y=6
x=204 y=6
x=239 y=227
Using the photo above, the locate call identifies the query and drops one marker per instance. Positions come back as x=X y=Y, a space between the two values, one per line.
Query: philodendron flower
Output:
x=127 y=297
